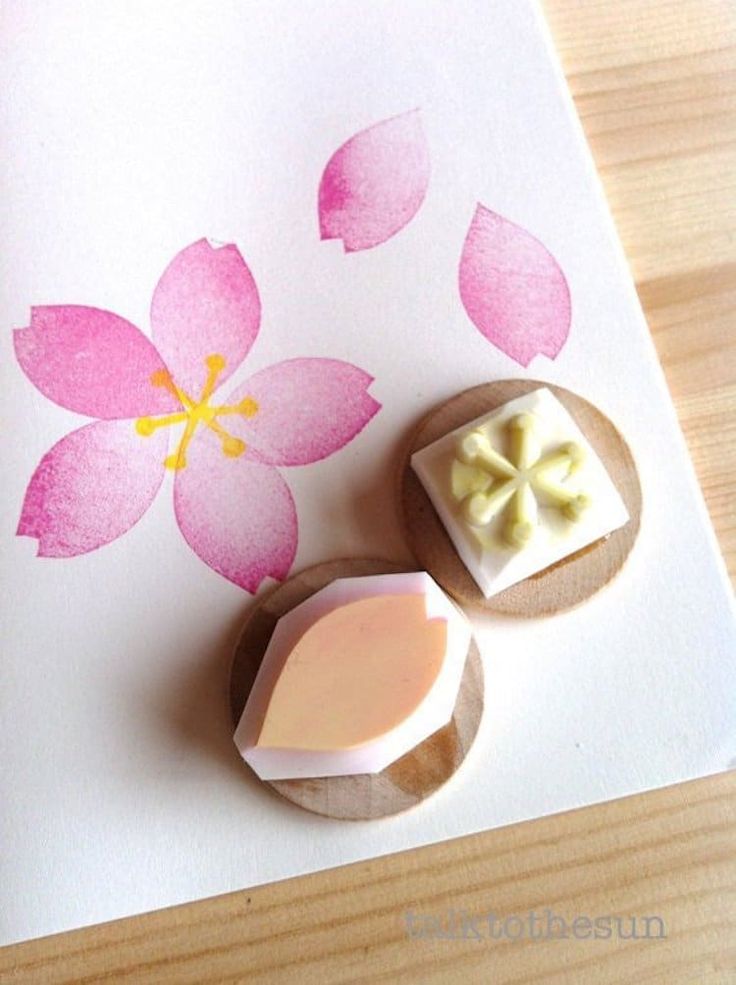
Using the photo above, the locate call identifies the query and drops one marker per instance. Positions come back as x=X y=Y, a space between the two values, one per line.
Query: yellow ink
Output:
x=196 y=413
x=488 y=484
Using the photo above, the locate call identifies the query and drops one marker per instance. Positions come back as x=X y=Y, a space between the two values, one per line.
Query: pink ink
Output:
x=232 y=505
x=92 y=362
x=375 y=183
x=292 y=430
x=513 y=289
x=237 y=515
x=91 y=487
x=206 y=301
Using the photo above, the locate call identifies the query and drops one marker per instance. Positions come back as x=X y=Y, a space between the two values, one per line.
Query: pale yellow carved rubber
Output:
x=488 y=484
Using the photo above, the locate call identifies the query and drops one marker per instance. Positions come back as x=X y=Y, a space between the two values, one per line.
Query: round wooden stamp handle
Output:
x=404 y=783
x=560 y=586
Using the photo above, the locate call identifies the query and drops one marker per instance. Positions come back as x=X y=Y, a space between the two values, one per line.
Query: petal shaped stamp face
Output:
x=518 y=490
x=354 y=678
x=376 y=658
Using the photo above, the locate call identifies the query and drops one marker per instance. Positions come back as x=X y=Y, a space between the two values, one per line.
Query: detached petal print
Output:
x=513 y=289
x=238 y=516
x=232 y=506
x=308 y=409
x=375 y=183
x=91 y=488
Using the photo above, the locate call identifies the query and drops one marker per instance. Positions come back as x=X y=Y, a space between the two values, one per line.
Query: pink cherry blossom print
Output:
x=92 y=362
x=238 y=515
x=205 y=302
x=292 y=430
x=513 y=289
x=158 y=408
x=91 y=487
x=375 y=183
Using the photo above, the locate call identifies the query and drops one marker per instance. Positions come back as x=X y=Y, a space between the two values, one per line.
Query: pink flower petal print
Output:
x=374 y=183
x=232 y=506
x=92 y=362
x=237 y=514
x=307 y=409
x=206 y=303
x=513 y=289
x=92 y=487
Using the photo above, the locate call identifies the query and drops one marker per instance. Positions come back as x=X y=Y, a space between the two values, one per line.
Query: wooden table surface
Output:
x=655 y=85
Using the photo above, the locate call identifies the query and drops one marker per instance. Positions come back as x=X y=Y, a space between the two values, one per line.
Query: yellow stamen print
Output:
x=178 y=459
x=488 y=484
x=215 y=365
x=197 y=412
x=145 y=426
x=162 y=378
x=231 y=446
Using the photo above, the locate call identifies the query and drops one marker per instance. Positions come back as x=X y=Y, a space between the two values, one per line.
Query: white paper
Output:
x=131 y=130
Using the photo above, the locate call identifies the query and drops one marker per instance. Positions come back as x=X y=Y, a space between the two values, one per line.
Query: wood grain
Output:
x=655 y=85
x=560 y=586
x=407 y=781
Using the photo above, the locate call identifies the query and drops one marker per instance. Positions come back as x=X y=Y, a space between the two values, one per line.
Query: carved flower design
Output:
x=489 y=484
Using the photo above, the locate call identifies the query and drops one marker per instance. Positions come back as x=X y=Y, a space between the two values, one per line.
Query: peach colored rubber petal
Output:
x=375 y=183
x=205 y=303
x=513 y=289
x=237 y=514
x=92 y=362
x=354 y=677
x=307 y=409
x=374 y=660
x=91 y=487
